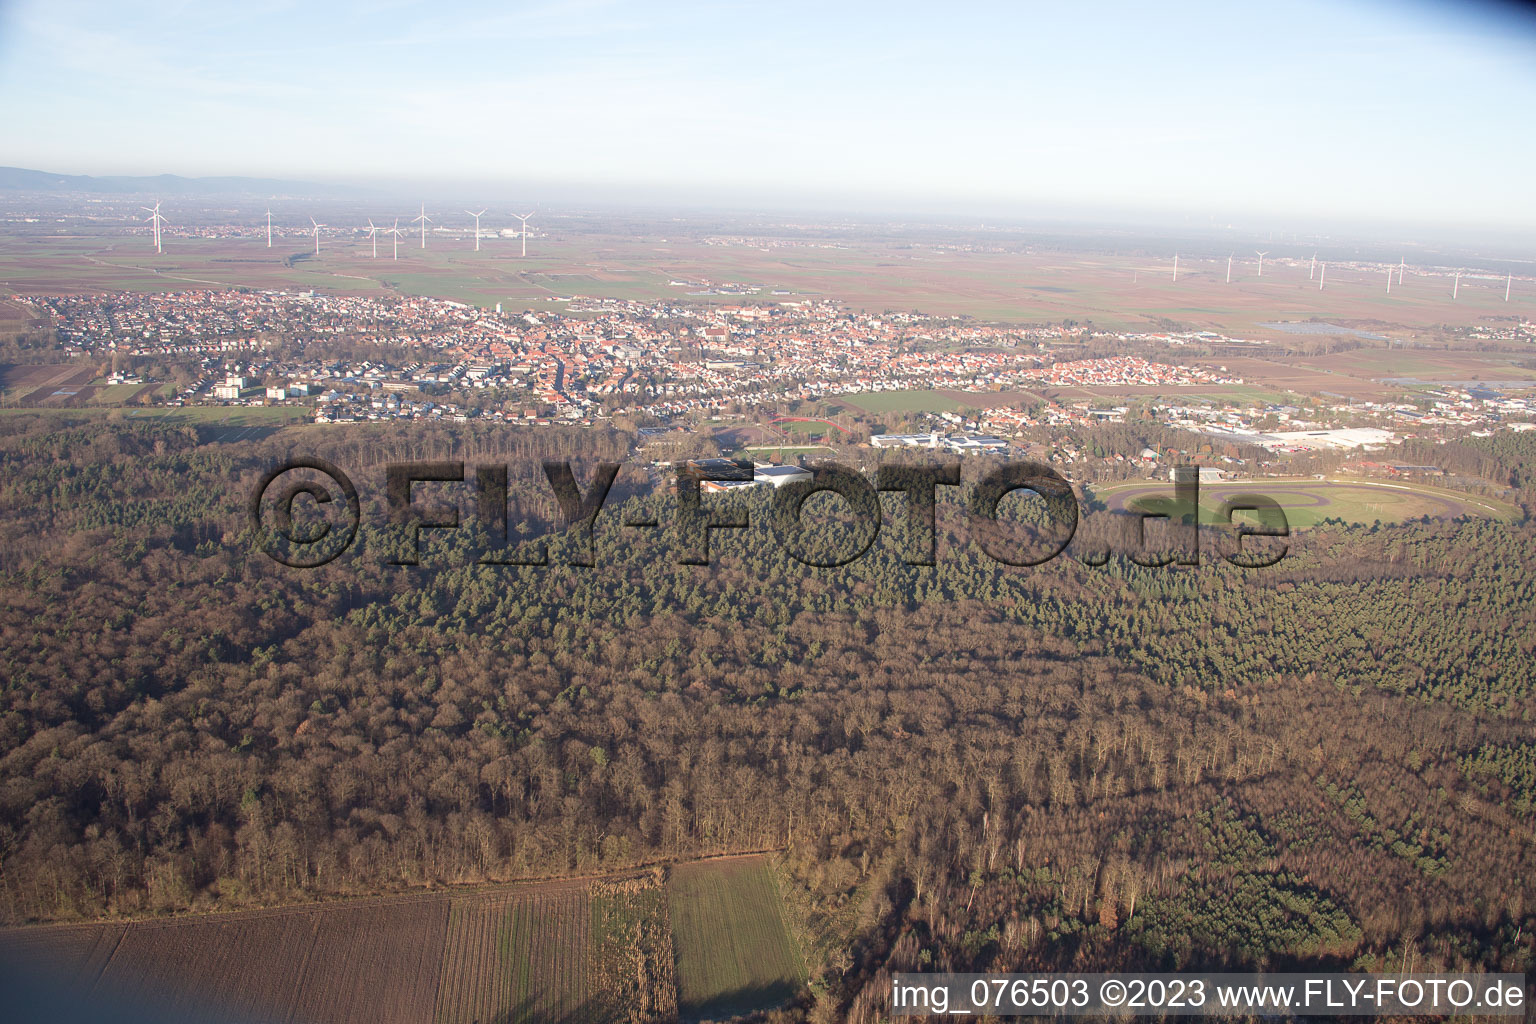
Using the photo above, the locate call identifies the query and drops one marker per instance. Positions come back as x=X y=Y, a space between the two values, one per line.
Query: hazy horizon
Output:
x=1355 y=114
x=1099 y=227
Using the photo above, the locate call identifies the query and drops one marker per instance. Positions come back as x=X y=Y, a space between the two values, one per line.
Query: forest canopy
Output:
x=968 y=765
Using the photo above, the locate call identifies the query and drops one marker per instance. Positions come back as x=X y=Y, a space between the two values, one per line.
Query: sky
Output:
x=1409 y=111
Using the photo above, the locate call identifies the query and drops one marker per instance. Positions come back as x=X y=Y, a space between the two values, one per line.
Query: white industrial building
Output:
x=1208 y=474
x=1349 y=437
x=962 y=443
x=778 y=476
x=763 y=475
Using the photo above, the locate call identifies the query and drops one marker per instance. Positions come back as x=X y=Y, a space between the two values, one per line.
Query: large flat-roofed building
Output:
x=949 y=442
x=714 y=464
x=1349 y=437
x=778 y=476
x=762 y=476
x=974 y=443
x=908 y=440
x=1208 y=474
x=720 y=486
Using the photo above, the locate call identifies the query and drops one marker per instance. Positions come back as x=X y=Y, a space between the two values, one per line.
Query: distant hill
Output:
x=20 y=179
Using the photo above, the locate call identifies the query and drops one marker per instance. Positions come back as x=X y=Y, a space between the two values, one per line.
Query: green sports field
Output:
x=787 y=450
x=1309 y=502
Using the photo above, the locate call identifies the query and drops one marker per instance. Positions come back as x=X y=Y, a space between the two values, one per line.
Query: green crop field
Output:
x=733 y=952
x=1307 y=503
x=902 y=401
x=234 y=416
x=116 y=394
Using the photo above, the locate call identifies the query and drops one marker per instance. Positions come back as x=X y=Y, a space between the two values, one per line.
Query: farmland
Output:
x=517 y=957
x=211 y=416
x=582 y=950
x=14 y=317
x=903 y=401
x=1308 y=376
x=733 y=952
x=1130 y=291
x=1308 y=503
x=1230 y=393
x=1417 y=363
x=266 y=965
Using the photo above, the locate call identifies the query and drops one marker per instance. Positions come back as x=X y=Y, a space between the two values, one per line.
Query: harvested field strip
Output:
x=733 y=953
x=634 y=969
x=40 y=374
x=52 y=385
x=519 y=957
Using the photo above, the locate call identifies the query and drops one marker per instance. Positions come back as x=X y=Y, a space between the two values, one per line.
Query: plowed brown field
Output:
x=520 y=957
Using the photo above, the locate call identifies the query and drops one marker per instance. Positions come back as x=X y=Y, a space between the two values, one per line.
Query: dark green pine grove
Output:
x=972 y=766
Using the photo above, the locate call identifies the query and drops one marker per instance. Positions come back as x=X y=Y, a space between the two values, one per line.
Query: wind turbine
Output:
x=396 y=232
x=318 y=226
x=373 y=233
x=1389 y=280
x=1312 y=274
x=155 y=219
x=424 y=220
x=269 y=227
x=1261 y=256
x=1175 y=268
x=524 y=218
x=1507 y=282
x=477 y=217
x=1402 y=263
x=1229 y=269
x=1323 y=278
x=1456 y=288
